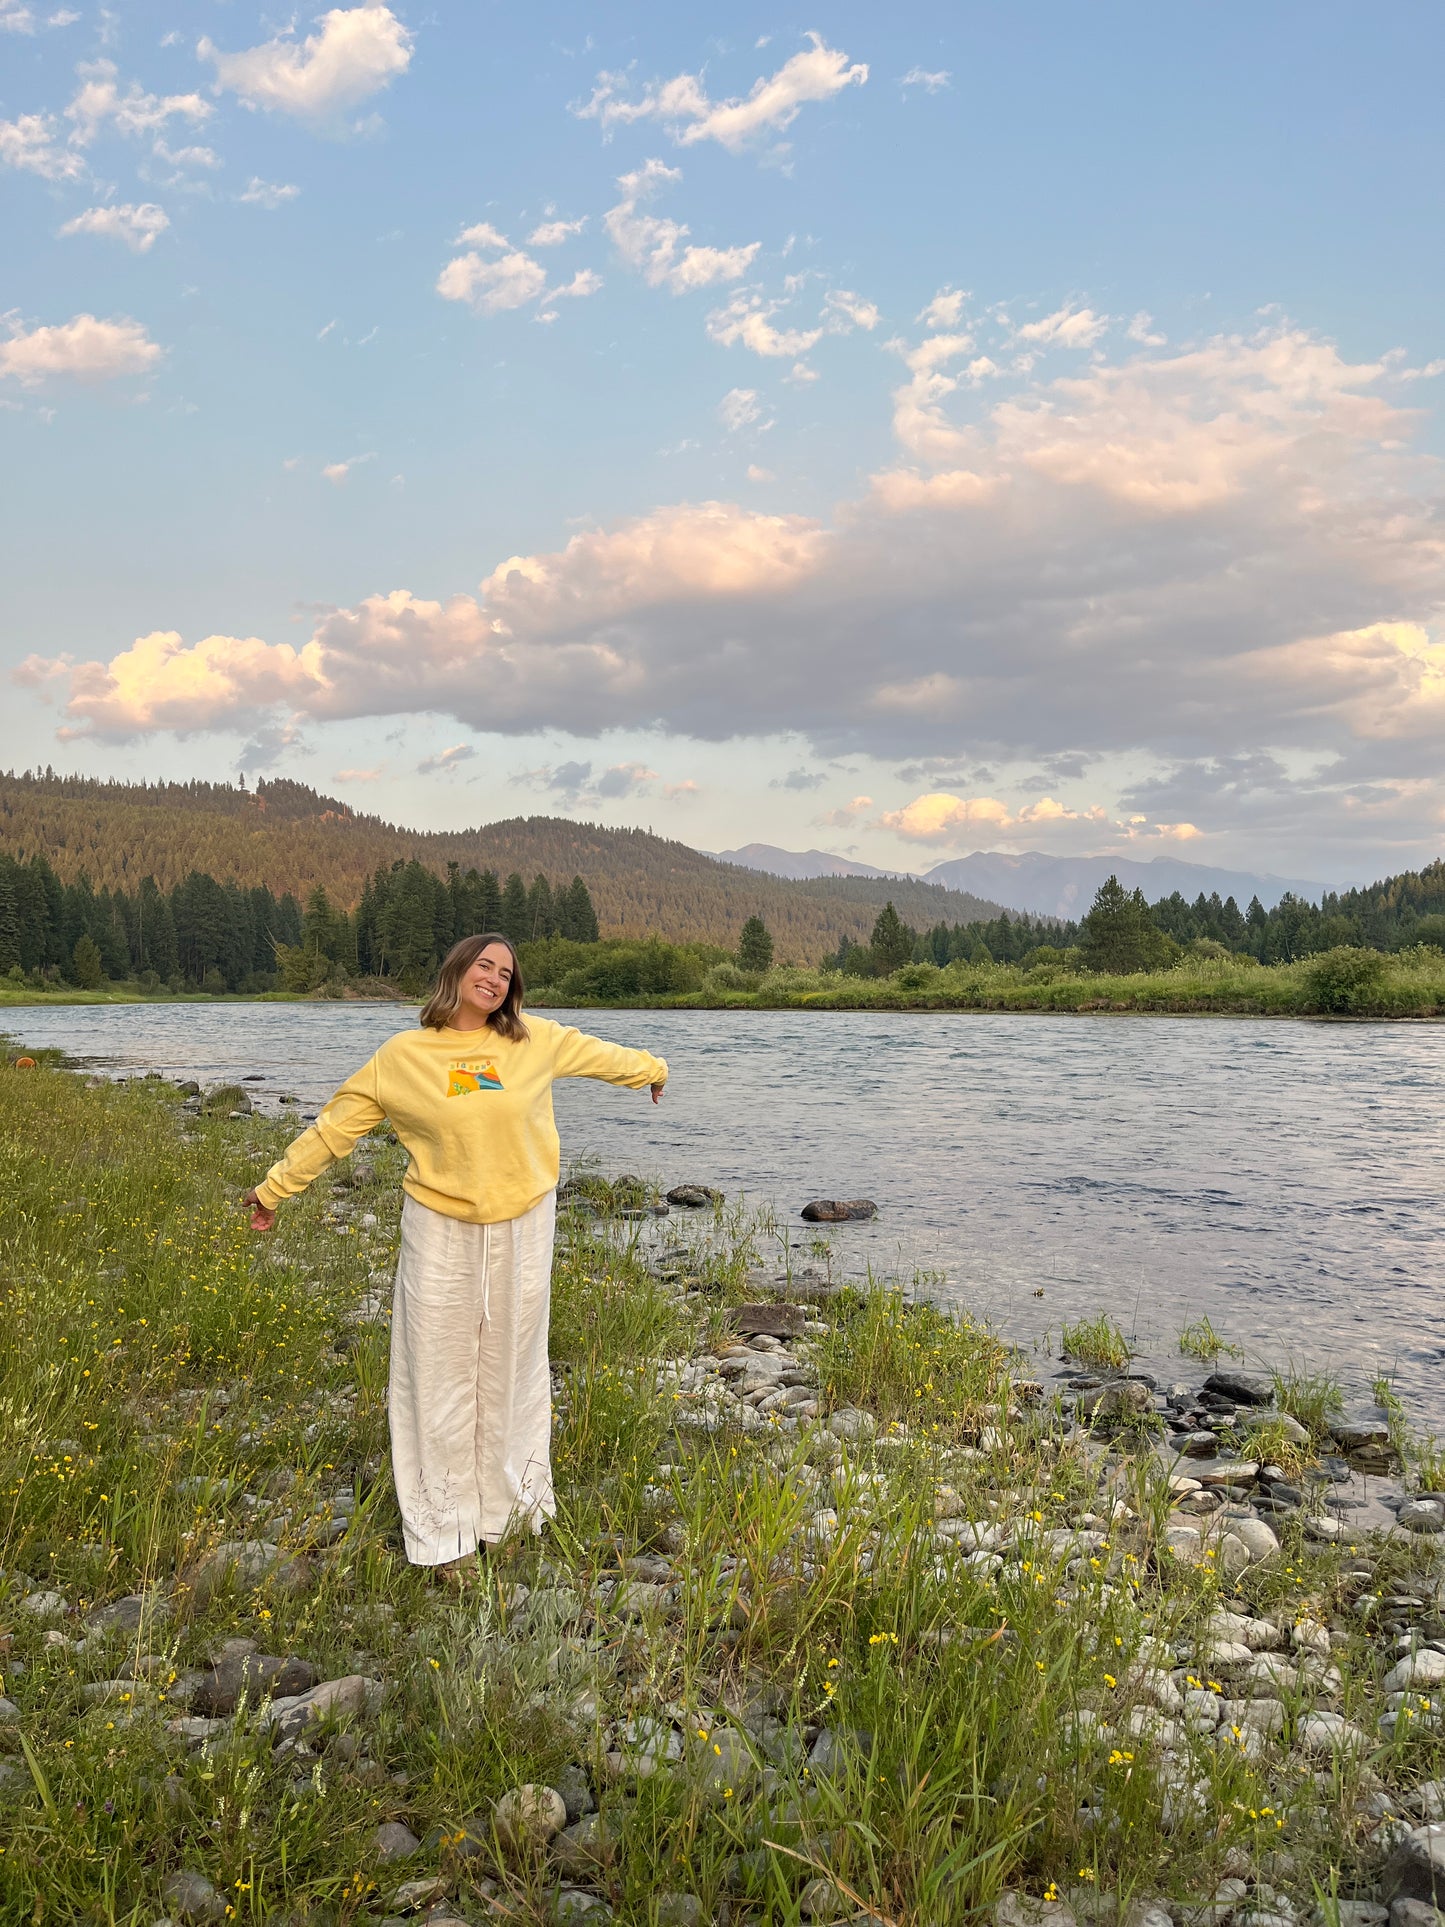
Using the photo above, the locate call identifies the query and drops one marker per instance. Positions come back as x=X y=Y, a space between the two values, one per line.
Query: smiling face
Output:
x=484 y=987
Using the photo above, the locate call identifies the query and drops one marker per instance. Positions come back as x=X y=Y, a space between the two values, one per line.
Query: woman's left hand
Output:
x=657 y=1090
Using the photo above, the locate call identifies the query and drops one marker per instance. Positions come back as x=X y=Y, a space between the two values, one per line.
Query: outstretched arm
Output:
x=579 y=1055
x=349 y=1116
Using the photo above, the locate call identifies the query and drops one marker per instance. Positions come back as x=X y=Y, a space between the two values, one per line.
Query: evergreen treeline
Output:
x=291 y=838
x=210 y=935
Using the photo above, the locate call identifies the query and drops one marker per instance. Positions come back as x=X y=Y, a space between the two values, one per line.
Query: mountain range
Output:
x=1050 y=886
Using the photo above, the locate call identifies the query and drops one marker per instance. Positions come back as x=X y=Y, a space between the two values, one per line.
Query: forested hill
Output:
x=291 y=839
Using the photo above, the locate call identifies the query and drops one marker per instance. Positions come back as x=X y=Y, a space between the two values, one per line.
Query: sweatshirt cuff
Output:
x=268 y=1197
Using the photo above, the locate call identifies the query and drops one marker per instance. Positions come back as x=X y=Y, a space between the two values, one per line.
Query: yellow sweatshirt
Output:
x=473 y=1109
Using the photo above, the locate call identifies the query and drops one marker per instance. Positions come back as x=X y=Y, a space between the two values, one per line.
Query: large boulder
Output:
x=1245 y=1388
x=838 y=1210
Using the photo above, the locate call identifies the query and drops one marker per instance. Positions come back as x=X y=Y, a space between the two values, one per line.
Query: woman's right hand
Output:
x=262 y=1218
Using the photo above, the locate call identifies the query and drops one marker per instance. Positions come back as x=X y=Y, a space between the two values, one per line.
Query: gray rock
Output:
x=256 y=1675
x=1350 y=1913
x=572 y=1906
x=851 y=1425
x=719 y=1761
x=576 y=1791
x=44 y=1605
x=583 y=1849
x=838 y=1210
x=1124 y=1398
x=1368 y=1438
x=1416 y=1671
x=1321 y=1734
x=824 y=1899
x=333 y=1699
x=246 y=1562
x=1416 y=1913
x=412 y=1895
x=1423 y=1515
x=529 y=1817
x=680 y=1910
x=1416 y=1869
x=1245 y=1388
x=8 y=1710
x=128 y=1615
x=191 y=1897
x=1260 y=1540
x=1023 y=1910
x=694 y=1195
x=394 y=1841
x=836 y=1751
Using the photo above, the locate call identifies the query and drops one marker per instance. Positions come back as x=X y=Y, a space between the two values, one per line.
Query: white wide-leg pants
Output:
x=470 y=1398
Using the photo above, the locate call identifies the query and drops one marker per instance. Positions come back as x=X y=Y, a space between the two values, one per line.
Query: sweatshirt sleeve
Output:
x=349 y=1115
x=579 y=1055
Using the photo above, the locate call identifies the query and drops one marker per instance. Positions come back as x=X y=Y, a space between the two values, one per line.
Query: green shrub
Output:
x=1344 y=979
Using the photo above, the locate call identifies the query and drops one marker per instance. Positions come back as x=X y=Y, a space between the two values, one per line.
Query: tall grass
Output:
x=168 y=1382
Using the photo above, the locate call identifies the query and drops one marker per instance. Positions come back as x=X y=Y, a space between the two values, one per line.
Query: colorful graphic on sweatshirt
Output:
x=464 y=1078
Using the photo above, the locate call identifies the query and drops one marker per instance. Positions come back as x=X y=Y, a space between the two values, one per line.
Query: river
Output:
x=1285 y=1179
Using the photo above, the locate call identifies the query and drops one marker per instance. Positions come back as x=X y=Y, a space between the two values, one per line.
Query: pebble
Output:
x=1423 y=1515
x=394 y=1841
x=44 y=1605
x=529 y=1816
x=571 y=1906
x=1423 y=1669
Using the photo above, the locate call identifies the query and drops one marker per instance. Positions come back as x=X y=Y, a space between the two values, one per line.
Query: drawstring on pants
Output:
x=486 y=1274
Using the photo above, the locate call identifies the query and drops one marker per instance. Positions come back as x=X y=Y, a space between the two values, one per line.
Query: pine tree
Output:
x=541 y=916
x=577 y=918
x=1117 y=937
x=512 y=917
x=85 y=963
x=9 y=918
x=891 y=942
x=755 y=946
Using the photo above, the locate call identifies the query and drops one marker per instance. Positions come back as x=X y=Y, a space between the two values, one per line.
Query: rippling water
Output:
x=1283 y=1178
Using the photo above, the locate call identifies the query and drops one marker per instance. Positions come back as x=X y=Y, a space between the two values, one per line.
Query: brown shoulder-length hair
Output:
x=440 y=1008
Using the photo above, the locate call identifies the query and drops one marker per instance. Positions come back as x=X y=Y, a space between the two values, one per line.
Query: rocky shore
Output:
x=845 y=1614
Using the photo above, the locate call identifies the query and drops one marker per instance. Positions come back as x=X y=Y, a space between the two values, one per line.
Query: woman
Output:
x=469 y=1094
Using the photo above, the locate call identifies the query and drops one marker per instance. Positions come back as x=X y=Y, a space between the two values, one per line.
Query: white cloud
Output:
x=584 y=282
x=739 y=409
x=1222 y=562
x=446 y=758
x=338 y=472
x=31 y=145
x=552 y=234
x=269 y=194
x=490 y=287
x=653 y=245
x=81 y=349
x=1068 y=327
x=756 y=474
x=509 y=281
x=17 y=17
x=482 y=235
x=846 y=815
x=843 y=311
x=945 y=310
x=137 y=226
x=931 y=83
x=747 y=321
x=186 y=156
x=355 y=53
x=99 y=103
x=1141 y=329
x=684 y=109
x=965 y=821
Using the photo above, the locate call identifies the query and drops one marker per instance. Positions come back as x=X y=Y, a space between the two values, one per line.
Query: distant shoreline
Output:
x=918 y=1008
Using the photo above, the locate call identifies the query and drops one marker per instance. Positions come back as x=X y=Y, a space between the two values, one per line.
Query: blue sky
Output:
x=904 y=432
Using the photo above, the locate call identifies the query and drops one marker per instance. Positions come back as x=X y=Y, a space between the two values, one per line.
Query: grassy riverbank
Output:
x=1350 y=983
x=869 y=1610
